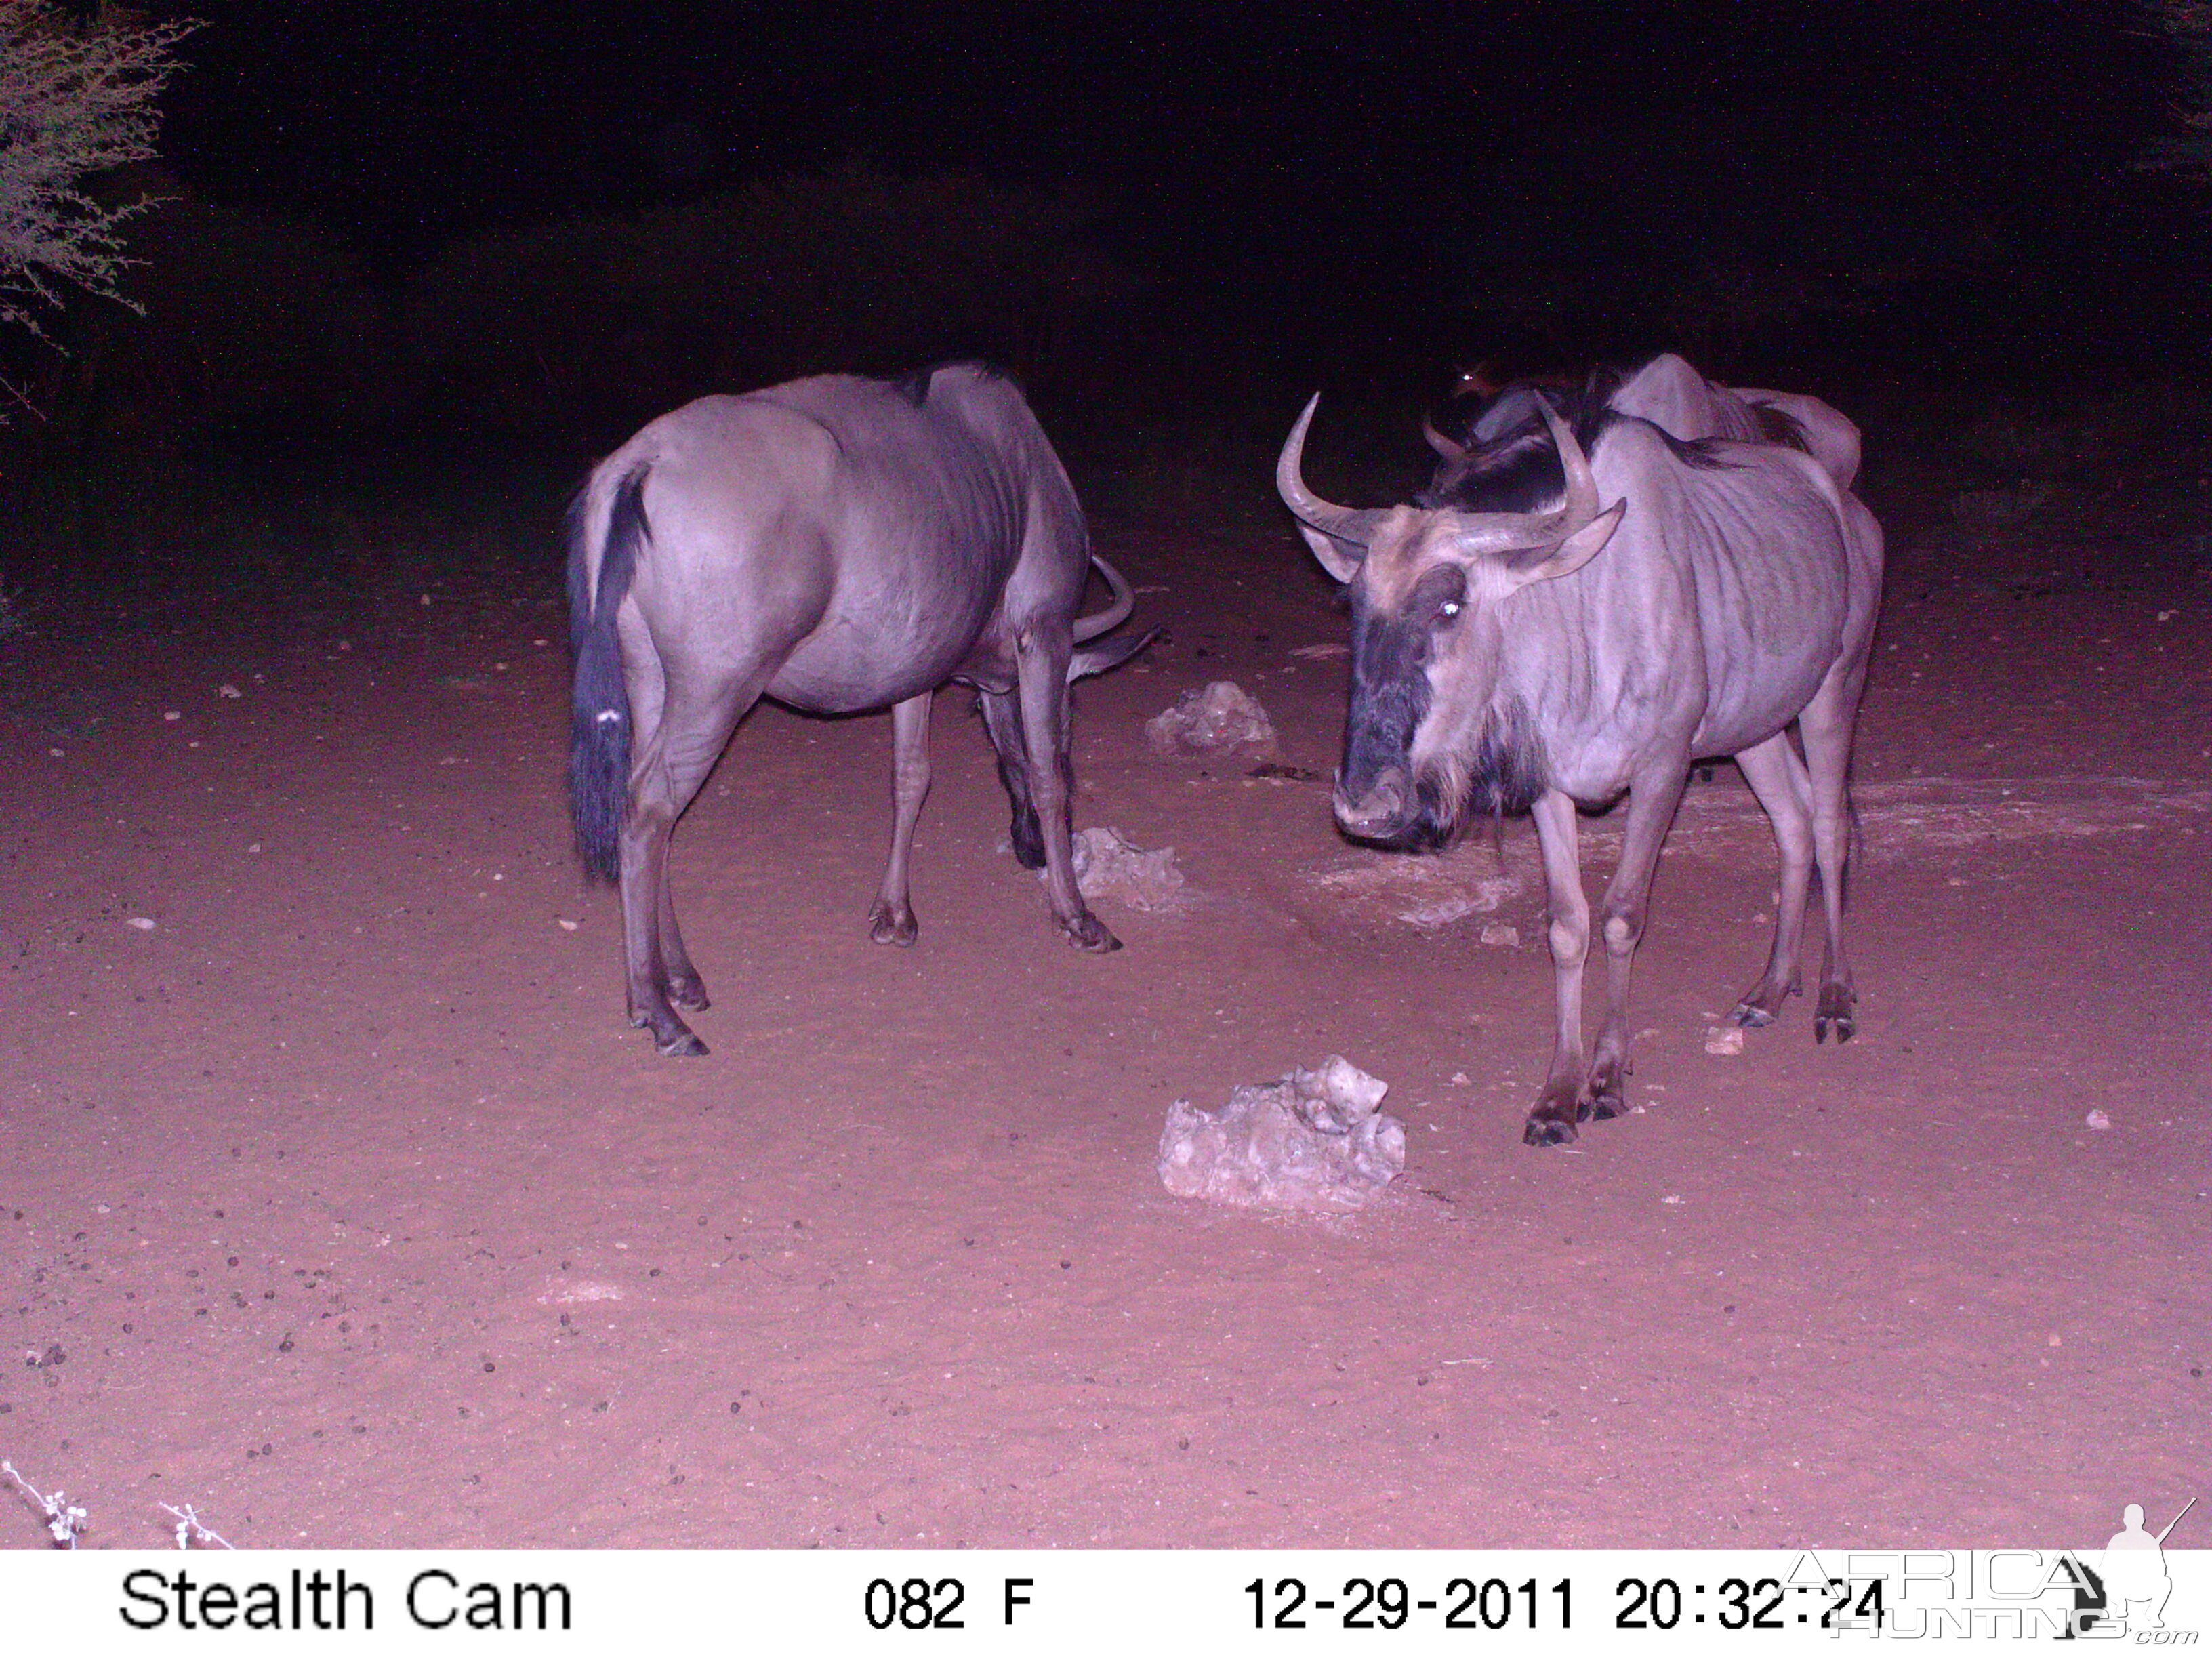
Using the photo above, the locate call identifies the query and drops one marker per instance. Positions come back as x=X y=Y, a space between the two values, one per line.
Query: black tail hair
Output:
x=599 y=733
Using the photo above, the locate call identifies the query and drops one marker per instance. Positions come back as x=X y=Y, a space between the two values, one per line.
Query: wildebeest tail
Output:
x=599 y=738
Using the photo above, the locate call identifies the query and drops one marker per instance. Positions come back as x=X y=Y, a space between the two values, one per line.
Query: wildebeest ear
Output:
x=1340 y=559
x=1578 y=550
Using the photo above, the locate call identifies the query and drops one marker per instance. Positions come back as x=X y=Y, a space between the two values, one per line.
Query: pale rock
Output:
x=1314 y=1141
x=1208 y=722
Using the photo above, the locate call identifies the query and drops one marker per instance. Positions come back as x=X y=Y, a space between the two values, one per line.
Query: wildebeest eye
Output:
x=1440 y=596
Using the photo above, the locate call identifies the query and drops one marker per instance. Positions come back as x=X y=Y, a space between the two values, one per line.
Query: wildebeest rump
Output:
x=1516 y=647
x=837 y=545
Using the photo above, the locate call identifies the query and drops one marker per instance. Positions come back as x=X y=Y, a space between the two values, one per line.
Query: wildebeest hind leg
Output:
x=1002 y=719
x=890 y=920
x=680 y=751
x=1827 y=725
x=1044 y=698
x=1777 y=777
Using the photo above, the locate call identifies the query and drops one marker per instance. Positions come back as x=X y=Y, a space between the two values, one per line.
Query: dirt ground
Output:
x=341 y=1203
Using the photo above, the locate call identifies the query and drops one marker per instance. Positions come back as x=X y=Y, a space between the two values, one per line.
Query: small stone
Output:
x=1724 y=1039
x=567 y=925
x=144 y=924
x=1207 y=721
x=1498 y=933
x=2098 y=1121
x=226 y=690
x=173 y=715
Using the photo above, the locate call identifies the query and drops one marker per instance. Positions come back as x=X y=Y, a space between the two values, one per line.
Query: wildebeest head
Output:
x=1430 y=734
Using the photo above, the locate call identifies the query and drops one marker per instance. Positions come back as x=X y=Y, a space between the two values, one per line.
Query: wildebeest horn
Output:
x=1512 y=532
x=1331 y=531
x=1444 y=446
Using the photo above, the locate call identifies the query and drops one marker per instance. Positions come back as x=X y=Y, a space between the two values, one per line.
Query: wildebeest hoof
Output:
x=1839 y=1009
x=1606 y=1103
x=1547 y=1132
x=1027 y=836
x=887 y=926
x=687 y=992
x=1087 y=932
x=680 y=1045
x=1751 y=1016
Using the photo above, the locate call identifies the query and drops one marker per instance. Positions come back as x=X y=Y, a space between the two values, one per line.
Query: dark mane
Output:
x=1779 y=425
x=1515 y=468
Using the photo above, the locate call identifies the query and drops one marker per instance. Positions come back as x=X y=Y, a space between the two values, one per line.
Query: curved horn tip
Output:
x=1443 y=446
x=1582 y=485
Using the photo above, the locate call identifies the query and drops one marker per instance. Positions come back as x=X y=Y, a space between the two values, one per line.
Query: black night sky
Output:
x=1297 y=134
x=1265 y=197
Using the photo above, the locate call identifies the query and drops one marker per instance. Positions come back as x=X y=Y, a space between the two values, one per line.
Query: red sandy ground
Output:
x=343 y=1206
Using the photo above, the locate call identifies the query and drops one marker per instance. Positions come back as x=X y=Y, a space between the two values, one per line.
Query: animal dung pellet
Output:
x=1221 y=716
x=1108 y=866
x=1724 y=1039
x=1314 y=1141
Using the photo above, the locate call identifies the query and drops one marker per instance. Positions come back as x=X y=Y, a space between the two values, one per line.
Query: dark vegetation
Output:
x=2006 y=305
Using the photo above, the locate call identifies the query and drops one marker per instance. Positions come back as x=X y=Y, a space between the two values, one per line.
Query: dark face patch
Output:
x=1391 y=649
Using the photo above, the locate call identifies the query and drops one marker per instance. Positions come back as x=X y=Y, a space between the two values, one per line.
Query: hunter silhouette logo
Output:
x=2135 y=1570
x=2127 y=1590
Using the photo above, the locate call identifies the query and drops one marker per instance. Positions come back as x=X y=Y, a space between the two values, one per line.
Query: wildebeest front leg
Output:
x=1002 y=719
x=1777 y=777
x=1652 y=798
x=1044 y=698
x=891 y=921
x=1557 y=1106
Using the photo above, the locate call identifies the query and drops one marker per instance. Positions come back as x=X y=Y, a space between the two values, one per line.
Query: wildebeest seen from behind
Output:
x=1602 y=606
x=838 y=544
x=1666 y=392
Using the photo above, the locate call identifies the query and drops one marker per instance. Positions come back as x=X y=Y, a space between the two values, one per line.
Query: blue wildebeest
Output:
x=1518 y=646
x=1671 y=395
x=837 y=545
